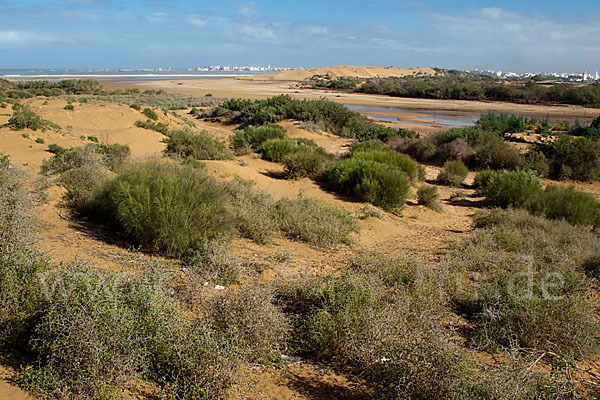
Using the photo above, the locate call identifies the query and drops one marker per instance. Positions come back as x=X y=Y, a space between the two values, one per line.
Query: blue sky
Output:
x=512 y=35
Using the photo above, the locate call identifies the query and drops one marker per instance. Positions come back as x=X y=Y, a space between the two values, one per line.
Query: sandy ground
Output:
x=417 y=232
x=240 y=88
x=340 y=71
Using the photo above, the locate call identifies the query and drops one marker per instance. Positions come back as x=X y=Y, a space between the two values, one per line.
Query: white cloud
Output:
x=11 y=37
x=20 y=37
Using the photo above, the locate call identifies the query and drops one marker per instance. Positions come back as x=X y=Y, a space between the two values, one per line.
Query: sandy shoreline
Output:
x=227 y=87
x=261 y=89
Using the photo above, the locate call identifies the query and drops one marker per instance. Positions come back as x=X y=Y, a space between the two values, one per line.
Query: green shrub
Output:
x=93 y=139
x=198 y=146
x=571 y=158
x=502 y=123
x=254 y=210
x=135 y=107
x=537 y=161
x=251 y=138
x=56 y=149
x=518 y=189
x=368 y=146
x=82 y=184
x=307 y=161
x=475 y=148
x=171 y=208
x=315 y=222
x=453 y=174
x=24 y=118
x=151 y=114
x=69 y=107
x=379 y=184
x=159 y=127
x=403 y=162
x=277 y=149
x=428 y=196
x=40 y=140
x=330 y=116
x=4 y=161
x=573 y=206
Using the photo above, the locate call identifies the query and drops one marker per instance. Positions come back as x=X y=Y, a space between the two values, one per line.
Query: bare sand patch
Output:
x=340 y=71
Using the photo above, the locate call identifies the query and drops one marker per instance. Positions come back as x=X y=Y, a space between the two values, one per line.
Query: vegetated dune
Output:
x=339 y=71
x=422 y=233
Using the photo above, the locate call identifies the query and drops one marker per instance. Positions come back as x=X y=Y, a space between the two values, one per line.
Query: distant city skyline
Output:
x=510 y=36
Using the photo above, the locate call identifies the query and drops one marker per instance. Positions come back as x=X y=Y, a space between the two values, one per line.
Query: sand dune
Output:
x=339 y=71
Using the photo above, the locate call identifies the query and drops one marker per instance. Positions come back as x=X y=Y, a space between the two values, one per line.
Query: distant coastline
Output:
x=118 y=74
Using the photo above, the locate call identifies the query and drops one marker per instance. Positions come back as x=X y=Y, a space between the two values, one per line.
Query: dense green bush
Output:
x=379 y=184
x=307 y=161
x=476 y=148
x=460 y=85
x=135 y=107
x=428 y=196
x=518 y=189
x=315 y=222
x=171 y=208
x=277 y=149
x=251 y=138
x=389 y=157
x=502 y=123
x=526 y=287
x=69 y=107
x=4 y=161
x=25 y=118
x=150 y=113
x=571 y=205
x=453 y=174
x=159 y=127
x=196 y=145
x=331 y=116
x=568 y=158
x=56 y=149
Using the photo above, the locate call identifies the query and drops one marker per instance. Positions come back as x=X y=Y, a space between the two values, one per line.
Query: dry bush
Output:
x=249 y=319
x=20 y=262
x=525 y=283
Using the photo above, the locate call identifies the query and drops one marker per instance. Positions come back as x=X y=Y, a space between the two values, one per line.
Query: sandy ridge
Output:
x=339 y=71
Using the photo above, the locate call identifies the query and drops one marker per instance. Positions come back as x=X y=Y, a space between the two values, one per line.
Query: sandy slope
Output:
x=340 y=71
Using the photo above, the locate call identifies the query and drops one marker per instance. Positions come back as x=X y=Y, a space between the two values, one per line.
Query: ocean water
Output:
x=120 y=73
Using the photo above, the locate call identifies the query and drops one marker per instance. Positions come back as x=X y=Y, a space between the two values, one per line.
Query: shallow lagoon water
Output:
x=429 y=117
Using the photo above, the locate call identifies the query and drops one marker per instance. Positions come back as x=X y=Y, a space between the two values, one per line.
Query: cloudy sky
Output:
x=524 y=35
